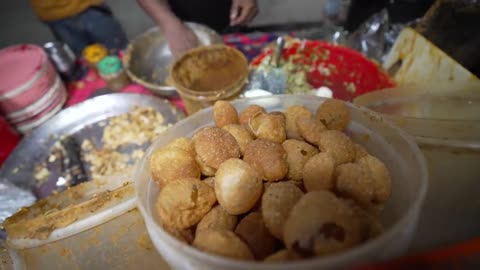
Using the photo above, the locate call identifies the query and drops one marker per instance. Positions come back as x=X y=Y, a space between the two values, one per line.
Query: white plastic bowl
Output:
x=399 y=152
x=444 y=118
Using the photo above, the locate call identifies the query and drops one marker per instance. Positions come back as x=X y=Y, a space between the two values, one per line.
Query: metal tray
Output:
x=80 y=121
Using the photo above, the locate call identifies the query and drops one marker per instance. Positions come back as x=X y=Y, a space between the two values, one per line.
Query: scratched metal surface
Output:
x=81 y=121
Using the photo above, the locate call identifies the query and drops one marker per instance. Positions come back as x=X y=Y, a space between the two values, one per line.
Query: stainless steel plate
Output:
x=80 y=121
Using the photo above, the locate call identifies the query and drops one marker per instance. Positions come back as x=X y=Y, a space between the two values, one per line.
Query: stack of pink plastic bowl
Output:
x=31 y=91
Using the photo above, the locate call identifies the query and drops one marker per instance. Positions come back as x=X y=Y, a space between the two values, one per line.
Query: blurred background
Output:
x=21 y=25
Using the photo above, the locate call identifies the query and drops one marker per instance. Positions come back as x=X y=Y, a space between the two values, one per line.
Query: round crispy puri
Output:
x=248 y=113
x=321 y=224
x=354 y=181
x=238 y=186
x=318 y=173
x=169 y=164
x=298 y=153
x=214 y=145
x=252 y=230
x=333 y=114
x=217 y=219
x=241 y=134
x=380 y=176
x=184 y=202
x=338 y=145
x=223 y=243
x=206 y=170
x=183 y=143
x=268 y=158
x=283 y=255
x=291 y=115
x=277 y=201
x=268 y=126
x=224 y=114
x=310 y=129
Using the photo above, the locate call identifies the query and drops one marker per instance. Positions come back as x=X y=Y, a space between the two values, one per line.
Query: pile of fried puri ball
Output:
x=271 y=186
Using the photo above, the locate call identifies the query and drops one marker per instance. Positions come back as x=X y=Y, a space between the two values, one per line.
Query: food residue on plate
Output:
x=124 y=138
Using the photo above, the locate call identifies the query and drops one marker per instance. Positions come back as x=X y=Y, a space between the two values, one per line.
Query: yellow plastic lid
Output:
x=94 y=53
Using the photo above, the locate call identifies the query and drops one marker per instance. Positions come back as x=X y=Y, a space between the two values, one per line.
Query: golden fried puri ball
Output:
x=268 y=158
x=318 y=173
x=279 y=114
x=360 y=152
x=172 y=163
x=217 y=219
x=214 y=145
x=237 y=186
x=292 y=114
x=268 y=126
x=333 y=114
x=299 y=184
x=310 y=129
x=320 y=224
x=185 y=235
x=241 y=134
x=206 y=170
x=353 y=181
x=252 y=230
x=223 y=243
x=338 y=145
x=248 y=113
x=298 y=152
x=283 y=255
x=380 y=176
x=184 y=202
x=277 y=201
x=210 y=181
x=224 y=114
x=371 y=226
x=183 y=143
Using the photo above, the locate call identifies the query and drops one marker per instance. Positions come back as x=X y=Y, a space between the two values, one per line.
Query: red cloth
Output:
x=465 y=255
x=83 y=89
x=9 y=139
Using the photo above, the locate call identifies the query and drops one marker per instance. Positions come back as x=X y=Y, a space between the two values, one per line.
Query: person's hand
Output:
x=243 y=11
x=180 y=39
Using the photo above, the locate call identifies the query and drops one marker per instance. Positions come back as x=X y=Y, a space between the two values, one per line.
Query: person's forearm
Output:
x=160 y=12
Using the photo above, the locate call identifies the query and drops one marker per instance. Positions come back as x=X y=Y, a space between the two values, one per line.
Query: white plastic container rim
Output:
x=358 y=252
x=410 y=106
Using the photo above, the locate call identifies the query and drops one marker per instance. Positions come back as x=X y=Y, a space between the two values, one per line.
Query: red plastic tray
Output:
x=345 y=71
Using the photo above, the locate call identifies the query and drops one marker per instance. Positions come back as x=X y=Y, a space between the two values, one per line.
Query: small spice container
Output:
x=94 y=53
x=110 y=69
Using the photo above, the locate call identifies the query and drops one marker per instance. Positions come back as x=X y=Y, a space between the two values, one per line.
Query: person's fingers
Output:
x=243 y=16
x=235 y=10
x=192 y=38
